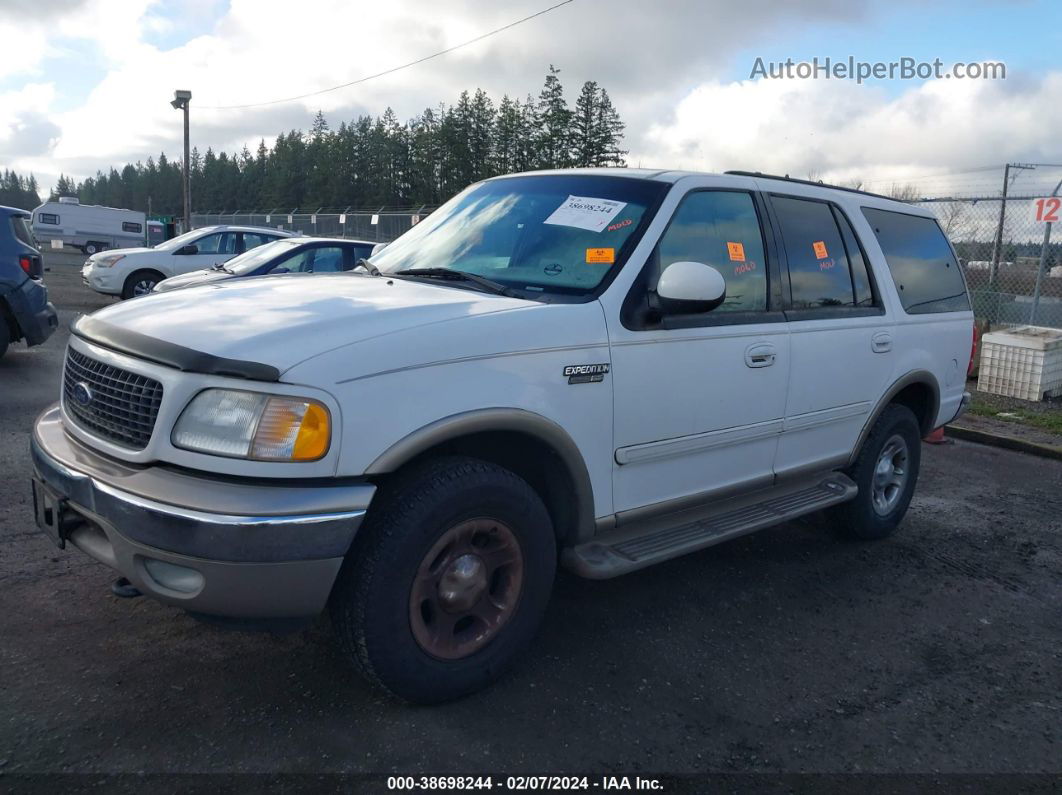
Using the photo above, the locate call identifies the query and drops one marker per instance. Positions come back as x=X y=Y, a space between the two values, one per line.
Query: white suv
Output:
x=135 y=271
x=605 y=368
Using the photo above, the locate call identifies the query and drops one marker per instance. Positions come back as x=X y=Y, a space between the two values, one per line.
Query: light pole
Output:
x=180 y=101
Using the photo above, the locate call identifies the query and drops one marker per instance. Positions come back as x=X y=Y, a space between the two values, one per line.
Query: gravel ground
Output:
x=937 y=650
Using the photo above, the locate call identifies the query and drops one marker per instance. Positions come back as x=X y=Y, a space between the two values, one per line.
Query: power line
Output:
x=393 y=69
x=934 y=176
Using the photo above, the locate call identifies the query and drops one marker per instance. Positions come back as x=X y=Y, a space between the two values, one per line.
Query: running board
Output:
x=641 y=544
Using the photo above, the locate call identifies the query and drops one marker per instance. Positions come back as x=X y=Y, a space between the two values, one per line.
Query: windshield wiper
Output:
x=364 y=263
x=463 y=276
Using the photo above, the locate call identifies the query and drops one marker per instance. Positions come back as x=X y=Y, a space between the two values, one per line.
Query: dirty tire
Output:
x=371 y=603
x=137 y=283
x=858 y=518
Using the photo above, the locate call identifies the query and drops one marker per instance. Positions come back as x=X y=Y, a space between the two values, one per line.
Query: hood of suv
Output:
x=283 y=320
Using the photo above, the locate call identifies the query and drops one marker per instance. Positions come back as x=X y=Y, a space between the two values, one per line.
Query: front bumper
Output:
x=212 y=545
x=102 y=280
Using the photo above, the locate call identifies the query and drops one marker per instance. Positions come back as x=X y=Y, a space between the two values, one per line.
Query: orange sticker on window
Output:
x=820 y=249
x=736 y=250
x=601 y=256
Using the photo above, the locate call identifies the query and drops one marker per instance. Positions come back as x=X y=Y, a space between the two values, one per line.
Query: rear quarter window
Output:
x=923 y=267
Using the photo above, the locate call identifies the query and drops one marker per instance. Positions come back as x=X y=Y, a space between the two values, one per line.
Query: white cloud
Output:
x=843 y=130
x=661 y=69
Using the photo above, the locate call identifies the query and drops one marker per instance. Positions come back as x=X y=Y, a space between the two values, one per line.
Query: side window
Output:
x=47 y=218
x=721 y=229
x=819 y=273
x=925 y=272
x=129 y=226
x=220 y=243
x=327 y=259
x=299 y=262
x=861 y=285
x=255 y=239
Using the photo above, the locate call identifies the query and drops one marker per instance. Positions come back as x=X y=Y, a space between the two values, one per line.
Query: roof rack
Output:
x=818 y=184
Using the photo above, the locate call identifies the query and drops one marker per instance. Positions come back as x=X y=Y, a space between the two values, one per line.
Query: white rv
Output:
x=88 y=227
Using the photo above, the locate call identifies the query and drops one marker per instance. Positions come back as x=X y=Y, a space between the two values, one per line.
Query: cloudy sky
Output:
x=85 y=84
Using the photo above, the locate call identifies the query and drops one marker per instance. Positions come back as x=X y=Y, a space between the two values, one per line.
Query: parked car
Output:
x=136 y=271
x=25 y=312
x=288 y=255
x=89 y=227
x=601 y=368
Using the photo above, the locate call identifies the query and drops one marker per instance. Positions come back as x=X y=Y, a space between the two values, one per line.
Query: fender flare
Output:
x=922 y=377
x=507 y=420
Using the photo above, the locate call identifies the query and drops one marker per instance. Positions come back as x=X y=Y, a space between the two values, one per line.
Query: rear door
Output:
x=841 y=341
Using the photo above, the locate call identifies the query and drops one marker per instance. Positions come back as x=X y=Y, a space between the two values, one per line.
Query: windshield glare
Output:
x=180 y=240
x=546 y=234
x=256 y=257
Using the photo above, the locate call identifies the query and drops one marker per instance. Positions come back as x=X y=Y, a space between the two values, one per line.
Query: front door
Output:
x=211 y=250
x=700 y=399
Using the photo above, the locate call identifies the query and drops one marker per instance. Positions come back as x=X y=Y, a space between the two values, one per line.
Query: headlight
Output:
x=253 y=425
x=106 y=261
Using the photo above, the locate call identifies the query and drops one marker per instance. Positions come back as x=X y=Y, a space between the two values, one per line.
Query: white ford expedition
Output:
x=599 y=368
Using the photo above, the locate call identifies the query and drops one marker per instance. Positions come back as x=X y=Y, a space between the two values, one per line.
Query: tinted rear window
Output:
x=20 y=226
x=923 y=267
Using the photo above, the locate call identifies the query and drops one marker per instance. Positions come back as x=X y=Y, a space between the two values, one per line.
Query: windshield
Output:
x=546 y=234
x=180 y=240
x=257 y=257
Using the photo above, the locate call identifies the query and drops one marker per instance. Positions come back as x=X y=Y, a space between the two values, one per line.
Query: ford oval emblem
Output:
x=82 y=393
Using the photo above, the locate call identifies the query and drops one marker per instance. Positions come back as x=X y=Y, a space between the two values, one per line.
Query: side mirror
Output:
x=377 y=249
x=690 y=287
x=191 y=248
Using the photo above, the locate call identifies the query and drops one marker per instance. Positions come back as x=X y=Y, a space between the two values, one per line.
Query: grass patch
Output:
x=1045 y=415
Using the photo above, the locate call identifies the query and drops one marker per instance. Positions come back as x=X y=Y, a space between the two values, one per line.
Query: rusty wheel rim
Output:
x=466 y=588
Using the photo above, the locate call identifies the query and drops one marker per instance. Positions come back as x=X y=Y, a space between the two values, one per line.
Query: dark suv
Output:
x=25 y=312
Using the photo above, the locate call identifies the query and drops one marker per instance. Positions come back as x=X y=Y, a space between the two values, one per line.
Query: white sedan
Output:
x=136 y=271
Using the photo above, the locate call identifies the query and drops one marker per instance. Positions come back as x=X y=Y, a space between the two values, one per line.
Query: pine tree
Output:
x=554 y=140
x=610 y=133
x=587 y=138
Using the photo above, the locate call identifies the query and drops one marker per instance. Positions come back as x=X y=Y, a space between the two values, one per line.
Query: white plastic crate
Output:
x=1023 y=362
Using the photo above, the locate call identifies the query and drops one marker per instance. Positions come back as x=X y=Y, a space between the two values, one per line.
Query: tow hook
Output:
x=125 y=589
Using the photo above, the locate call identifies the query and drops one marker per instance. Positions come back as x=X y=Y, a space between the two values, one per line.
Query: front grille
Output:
x=122 y=406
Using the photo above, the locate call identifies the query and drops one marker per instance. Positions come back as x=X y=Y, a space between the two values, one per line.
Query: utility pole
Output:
x=997 y=247
x=180 y=101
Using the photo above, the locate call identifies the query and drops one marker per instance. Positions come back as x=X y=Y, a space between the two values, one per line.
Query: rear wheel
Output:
x=92 y=247
x=447 y=582
x=886 y=472
x=140 y=283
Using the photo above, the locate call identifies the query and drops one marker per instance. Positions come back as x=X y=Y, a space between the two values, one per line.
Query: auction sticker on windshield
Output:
x=584 y=212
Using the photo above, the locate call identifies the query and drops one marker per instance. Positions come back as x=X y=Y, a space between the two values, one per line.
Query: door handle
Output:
x=761 y=355
x=881 y=342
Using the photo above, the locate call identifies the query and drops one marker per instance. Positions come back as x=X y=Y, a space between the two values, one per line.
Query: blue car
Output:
x=25 y=312
x=289 y=255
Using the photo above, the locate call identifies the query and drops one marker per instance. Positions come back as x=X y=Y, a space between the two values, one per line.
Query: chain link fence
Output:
x=381 y=226
x=1010 y=253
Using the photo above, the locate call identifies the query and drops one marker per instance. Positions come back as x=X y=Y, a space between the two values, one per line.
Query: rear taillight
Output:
x=27 y=264
x=973 y=352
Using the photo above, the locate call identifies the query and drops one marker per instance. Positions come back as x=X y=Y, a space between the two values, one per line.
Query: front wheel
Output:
x=447 y=582
x=886 y=472
x=140 y=283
